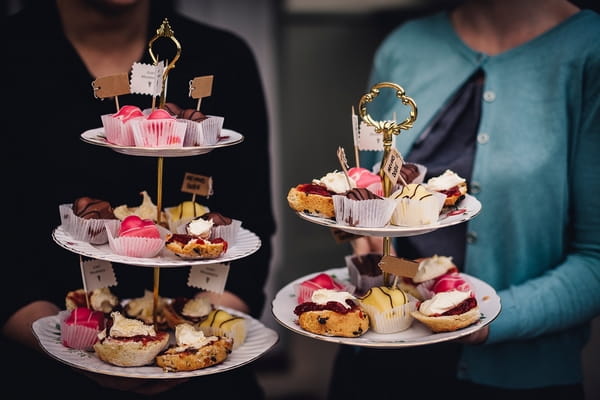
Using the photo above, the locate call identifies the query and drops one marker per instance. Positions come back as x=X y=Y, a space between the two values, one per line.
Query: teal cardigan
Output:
x=537 y=174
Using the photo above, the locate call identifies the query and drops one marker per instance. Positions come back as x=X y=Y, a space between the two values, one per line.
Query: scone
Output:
x=188 y=246
x=142 y=308
x=332 y=313
x=311 y=199
x=448 y=311
x=450 y=184
x=129 y=342
x=193 y=350
x=316 y=197
x=195 y=243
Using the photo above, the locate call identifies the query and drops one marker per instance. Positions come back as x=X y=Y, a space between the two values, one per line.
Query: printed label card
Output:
x=209 y=277
x=97 y=274
x=197 y=184
x=147 y=79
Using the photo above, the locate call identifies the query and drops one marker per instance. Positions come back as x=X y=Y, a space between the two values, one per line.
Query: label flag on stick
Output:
x=398 y=266
x=393 y=165
x=209 y=277
x=147 y=79
x=355 y=137
x=201 y=87
x=197 y=185
x=111 y=86
x=97 y=274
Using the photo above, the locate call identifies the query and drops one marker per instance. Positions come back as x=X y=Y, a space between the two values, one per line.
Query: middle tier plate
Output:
x=246 y=243
x=466 y=209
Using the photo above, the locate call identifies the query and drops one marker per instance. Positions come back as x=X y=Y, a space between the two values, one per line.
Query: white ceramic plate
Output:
x=468 y=208
x=259 y=340
x=417 y=335
x=246 y=243
x=96 y=137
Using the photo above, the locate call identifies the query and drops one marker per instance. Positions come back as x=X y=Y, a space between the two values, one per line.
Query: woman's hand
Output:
x=477 y=337
x=370 y=244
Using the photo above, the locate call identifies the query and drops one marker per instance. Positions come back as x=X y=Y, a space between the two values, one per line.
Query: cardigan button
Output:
x=471 y=237
x=483 y=138
x=474 y=187
x=489 y=96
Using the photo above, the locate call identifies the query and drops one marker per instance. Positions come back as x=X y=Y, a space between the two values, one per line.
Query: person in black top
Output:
x=54 y=50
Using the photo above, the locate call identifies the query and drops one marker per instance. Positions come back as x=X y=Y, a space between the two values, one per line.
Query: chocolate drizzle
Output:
x=218 y=219
x=89 y=208
x=361 y=194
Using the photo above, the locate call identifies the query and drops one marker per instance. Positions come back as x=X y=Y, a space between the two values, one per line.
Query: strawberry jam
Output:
x=311 y=188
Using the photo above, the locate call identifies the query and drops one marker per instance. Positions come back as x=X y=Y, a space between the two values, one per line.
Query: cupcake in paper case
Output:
x=135 y=237
x=221 y=323
x=205 y=132
x=117 y=127
x=416 y=206
x=158 y=129
x=362 y=208
x=223 y=227
x=82 y=228
x=389 y=309
x=202 y=130
x=79 y=328
x=304 y=290
x=364 y=271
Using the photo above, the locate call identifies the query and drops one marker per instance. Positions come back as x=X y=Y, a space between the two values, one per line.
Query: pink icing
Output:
x=126 y=113
x=366 y=179
x=135 y=226
x=450 y=281
x=85 y=317
x=321 y=281
x=160 y=114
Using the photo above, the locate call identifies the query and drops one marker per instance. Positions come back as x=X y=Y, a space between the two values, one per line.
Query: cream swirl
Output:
x=442 y=302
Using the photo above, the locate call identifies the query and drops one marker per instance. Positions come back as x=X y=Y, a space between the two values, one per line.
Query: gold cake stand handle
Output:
x=387 y=129
x=165 y=31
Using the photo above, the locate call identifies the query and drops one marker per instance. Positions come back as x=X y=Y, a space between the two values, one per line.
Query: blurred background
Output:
x=314 y=57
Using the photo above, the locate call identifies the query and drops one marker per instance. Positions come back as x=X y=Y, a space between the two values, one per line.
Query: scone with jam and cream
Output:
x=193 y=350
x=316 y=198
x=332 y=313
x=448 y=311
x=128 y=342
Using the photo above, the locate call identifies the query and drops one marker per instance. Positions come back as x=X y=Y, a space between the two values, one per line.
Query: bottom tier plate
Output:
x=417 y=335
x=259 y=340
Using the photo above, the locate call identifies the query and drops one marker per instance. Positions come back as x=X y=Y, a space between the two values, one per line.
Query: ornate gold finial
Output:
x=164 y=30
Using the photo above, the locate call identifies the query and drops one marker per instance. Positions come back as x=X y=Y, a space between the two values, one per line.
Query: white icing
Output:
x=323 y=296
x=445 y=181
x=432 y=267
x=442 y=302
x=336 y=182
x=199 y=227
x=127 y=327
x=187 y=336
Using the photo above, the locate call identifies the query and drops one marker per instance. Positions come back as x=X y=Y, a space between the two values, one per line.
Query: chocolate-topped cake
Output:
x=361 y=194
x=89 y=208
x=409 y=172
x=218 y=219
x=184 y=113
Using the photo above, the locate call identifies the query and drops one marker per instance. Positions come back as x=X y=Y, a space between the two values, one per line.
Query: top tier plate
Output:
x=466 y=209
x=96 y=137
